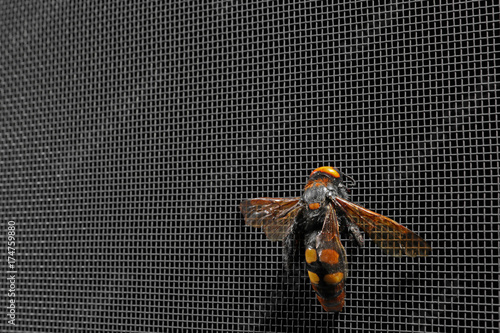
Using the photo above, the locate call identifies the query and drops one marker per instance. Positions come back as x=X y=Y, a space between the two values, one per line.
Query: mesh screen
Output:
x=130 y=133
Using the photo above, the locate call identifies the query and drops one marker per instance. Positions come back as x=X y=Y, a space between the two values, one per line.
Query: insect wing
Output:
x=274 y=215
x=329 y=239
x=392 y=237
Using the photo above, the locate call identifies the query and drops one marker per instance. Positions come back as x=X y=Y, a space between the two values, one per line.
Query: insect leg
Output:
x=352 y=229
x=354 y=233
x=288 y=249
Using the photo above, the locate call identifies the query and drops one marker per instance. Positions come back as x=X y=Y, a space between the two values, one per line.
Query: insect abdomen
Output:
x=327 y=269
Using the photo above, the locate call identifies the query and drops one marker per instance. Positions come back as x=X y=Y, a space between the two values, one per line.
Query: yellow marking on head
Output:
x=334 y=278
x=314 y=206
x=313 y=277
x=329 y=256
x=311 y=256
x=328 y=170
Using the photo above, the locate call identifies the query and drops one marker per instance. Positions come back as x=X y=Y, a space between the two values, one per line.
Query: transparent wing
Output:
x=274 y=215
x=391 y=236
x=329 y=239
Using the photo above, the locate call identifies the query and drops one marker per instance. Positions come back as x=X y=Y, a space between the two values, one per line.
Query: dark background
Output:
x=130 y=133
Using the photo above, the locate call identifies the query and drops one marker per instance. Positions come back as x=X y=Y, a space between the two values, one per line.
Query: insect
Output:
x=316 y=219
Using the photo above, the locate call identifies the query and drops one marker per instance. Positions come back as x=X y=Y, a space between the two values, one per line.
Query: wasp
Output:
x=316 y=220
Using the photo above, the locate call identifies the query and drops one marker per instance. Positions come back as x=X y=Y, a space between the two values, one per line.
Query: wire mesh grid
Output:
x=131 y=133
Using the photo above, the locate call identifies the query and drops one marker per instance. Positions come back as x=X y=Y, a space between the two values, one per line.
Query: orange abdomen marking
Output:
x=313 y=277
x=311 y=256
x=329 y=256
x=333 y=278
